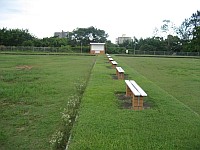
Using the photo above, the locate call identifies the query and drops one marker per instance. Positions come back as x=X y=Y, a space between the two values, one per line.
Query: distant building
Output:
x=97 y=48
x=61 y=34
x=121 y=40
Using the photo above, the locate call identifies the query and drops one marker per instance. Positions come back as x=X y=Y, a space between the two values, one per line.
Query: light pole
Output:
x=80 y=44
x=135 y=47
x=90 y=39
x=81 y=47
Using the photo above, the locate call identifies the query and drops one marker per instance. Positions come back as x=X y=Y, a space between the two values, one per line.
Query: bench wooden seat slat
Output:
x=120 y=73
x=110 y=59
x=119 y=69
x=114 y=62
x=135 y=92
x=139 y=89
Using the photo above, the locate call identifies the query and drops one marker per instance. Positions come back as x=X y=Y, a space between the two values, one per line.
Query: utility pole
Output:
x=81 y=47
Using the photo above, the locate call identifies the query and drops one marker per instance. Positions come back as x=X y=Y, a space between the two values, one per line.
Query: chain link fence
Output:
x=65 y=49
x=138 y=52
x=28 y=49
x=86 y=50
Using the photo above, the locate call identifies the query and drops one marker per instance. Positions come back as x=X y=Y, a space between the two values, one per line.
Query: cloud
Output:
x=130 y=17
x=10 y=6
x=10 y=9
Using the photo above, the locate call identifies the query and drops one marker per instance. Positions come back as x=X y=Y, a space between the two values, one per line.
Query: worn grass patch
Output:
x=125 y=102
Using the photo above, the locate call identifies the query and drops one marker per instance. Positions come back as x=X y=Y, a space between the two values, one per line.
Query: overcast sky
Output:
x=116 y=17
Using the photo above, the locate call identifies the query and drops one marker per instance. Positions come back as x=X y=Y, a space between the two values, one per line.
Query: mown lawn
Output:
x=168 y=124
x=34 y=90
x=180 y=77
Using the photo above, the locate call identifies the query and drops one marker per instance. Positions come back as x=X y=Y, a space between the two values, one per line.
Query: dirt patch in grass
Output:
x=114 y=76
x=24 y=67
x=125 y=102
x=126 y=77
x=109 y=67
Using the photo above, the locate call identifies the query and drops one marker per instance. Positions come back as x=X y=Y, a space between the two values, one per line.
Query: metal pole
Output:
x=81 y=47
x=134 y=48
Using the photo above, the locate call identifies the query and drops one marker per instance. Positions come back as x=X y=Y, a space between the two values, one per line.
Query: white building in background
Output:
x=122 y=39
x=61 y=34
x=97 y=48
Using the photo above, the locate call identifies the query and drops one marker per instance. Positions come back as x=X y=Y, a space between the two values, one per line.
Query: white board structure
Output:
x=97 y=48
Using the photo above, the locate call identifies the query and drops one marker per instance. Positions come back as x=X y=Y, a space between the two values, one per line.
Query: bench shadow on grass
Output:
x=109 y=67
x=125 y=102
x=114 y=77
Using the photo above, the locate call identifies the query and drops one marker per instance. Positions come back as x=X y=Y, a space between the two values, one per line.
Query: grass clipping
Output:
x=60 y=138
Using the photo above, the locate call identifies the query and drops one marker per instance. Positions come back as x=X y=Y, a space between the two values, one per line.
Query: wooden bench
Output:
x=137 y=93
x=110 y=59
x=120 y=73
x=114 y=64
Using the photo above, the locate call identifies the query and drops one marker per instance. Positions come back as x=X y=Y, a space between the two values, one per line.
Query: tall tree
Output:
x=87 y=35
x=195 y=42
x=173 y=43
x=14 y=37
x=195 y=19
x=168 y=28
x=189 y=32
x=185 y=30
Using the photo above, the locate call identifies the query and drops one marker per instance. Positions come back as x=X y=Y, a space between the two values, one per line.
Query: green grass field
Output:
x=34 y=90
x=180 y=77
x=172 y=122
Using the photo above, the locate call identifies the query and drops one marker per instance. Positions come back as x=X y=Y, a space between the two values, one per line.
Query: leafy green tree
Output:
x=37 y=43
x=188 y=32
x=28 y=43
x=14 y=37
x=86 y=35
x=168 y=27
x=152 y=44
x=185 y=30
x=173 y=43
x=195 y=42
x=127 y=44
x=147 y=47
x=195 y=19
